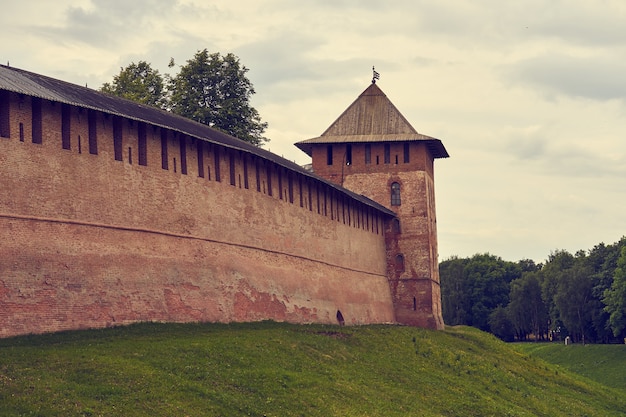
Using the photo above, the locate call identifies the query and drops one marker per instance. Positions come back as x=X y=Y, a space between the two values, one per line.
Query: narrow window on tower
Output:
x=399 y=263
x=396 y=226
x=183 y=155
x=257 y=175
x=5 y=119
x=329 y=155
x=142 y=144
x=216 y=155
x=269 y=179
x=387 y=153
x=368 y=154
x=348 y=154
x=164 y=157
x=407 y=157
x=117 y=138
x=66 y=112
x=200 y=159
x=395 y=194
x=93 y=133
x=231 y=161
x=36 y=120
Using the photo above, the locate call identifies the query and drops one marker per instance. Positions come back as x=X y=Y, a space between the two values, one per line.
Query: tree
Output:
x=526 y=308
x=615 y=297
x=214 y=90
x=500 y=324
x=454 y=292
x=574 y=300
x=488 y=279
x=140 y=83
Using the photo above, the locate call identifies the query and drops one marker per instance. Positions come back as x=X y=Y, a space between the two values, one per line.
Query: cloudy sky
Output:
x=529 y=97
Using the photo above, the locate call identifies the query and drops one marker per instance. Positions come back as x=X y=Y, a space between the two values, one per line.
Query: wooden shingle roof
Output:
x=372 y=117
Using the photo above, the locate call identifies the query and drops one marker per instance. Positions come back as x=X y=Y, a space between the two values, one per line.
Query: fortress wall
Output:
x=91 y=241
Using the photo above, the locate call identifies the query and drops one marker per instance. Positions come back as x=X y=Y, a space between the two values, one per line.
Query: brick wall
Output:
x=91 y=241
x=412 y=257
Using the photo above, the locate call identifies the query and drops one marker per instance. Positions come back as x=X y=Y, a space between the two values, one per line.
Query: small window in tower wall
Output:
x=400 y=262
x=368 y=154
x=407 y=157
x=348 y=154
x=395 y=194
x=387 y=153
x=329 y=155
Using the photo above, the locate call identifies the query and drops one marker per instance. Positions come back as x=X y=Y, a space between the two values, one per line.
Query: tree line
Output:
x=581 y=295
x=209 y=88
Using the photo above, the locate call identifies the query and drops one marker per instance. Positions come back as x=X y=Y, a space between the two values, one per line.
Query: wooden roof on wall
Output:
x=36 y=85
x=372 y=117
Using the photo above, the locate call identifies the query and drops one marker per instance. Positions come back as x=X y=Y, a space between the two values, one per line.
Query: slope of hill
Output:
x=275 y=369
x=603 y=363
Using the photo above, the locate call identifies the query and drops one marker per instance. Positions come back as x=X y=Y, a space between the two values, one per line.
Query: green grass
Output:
x=273 y=369
x=603 y=363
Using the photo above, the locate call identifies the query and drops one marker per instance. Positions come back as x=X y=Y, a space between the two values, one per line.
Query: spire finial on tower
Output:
x=375 y=76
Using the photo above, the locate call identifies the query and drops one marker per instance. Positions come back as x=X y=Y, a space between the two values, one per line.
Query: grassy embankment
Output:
x=277 y=369
x=603 y=363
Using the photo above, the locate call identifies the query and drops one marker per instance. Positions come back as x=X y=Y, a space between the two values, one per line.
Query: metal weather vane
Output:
x=375 y=76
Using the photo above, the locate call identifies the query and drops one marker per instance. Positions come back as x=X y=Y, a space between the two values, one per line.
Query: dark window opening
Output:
x=37 y=131
x=377 y=159
x=21 y=132
x=348 y=154
x=395 y=194
x=218 y=176
x=93 y=132
x=395 y=226
x=66 y=114
x=231 y=162
x=183 y=154
x=142 y=145
x=130 y=155
x=117 y=138
x=5 y=117
x=396 y=159
x=200 y=159
x=164 y=157
x=399 y=263
x=387 y=153
x=80 y=149
x=329 y=155
x=257 y=175
x=340 y=318
x=407 y=157
x=368 y=154
x=414 y=304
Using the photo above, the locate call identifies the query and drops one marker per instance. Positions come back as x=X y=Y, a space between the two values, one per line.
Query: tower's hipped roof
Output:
x=372 y=117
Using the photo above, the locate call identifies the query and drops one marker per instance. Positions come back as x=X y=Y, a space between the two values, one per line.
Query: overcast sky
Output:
x=528 y=97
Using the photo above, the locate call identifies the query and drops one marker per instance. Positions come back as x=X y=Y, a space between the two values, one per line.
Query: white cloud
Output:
x=528 y=97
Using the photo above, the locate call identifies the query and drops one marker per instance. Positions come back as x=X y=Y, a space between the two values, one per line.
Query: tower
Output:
x=371 y=149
